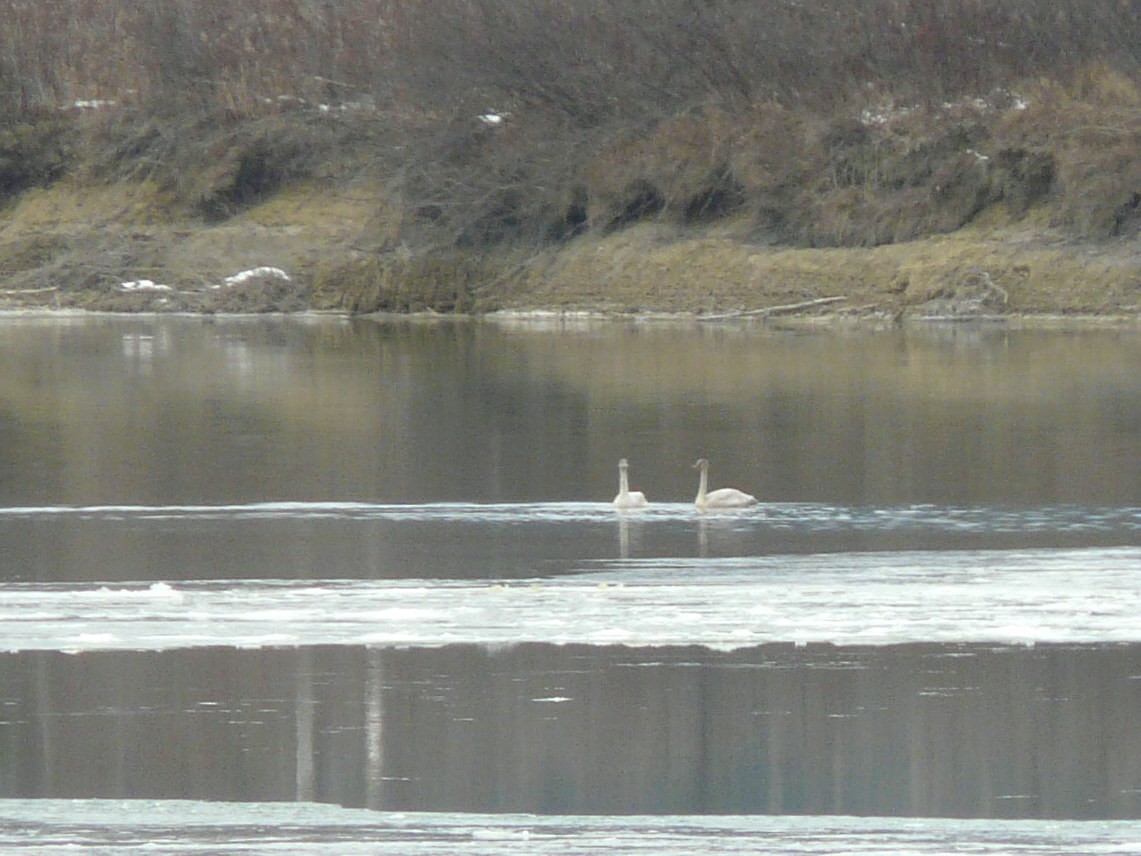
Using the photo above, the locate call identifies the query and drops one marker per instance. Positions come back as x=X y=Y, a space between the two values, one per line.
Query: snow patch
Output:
x=263 y=272
x=493 y=118
x=143 y=285
x=879 y=115
x=92 y=103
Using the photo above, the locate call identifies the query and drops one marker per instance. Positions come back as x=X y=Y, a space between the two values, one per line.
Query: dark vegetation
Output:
x=496 y=129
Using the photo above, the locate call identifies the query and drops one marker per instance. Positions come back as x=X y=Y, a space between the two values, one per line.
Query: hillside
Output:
x=286 y=172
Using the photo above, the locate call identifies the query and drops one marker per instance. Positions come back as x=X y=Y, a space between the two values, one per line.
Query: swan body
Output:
x=725 y=497
x=627 y=498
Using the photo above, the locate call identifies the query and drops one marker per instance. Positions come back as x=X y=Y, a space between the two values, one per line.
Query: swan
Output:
x=726 y=497
x=627 y=498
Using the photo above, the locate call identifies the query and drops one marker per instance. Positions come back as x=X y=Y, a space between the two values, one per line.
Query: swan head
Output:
x=622 y=465
x=700 y=463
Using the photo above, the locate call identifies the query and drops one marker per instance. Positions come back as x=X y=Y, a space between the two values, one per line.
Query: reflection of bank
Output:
x=374 y=731
x=304 y=717
x=817 y=729
x=777 y=728
x=308 y=742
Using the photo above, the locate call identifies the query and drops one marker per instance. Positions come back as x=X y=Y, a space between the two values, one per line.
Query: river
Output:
x=312 y=583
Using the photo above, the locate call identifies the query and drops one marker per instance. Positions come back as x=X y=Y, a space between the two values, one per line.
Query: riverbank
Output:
x=876 y=162
x=102 y=249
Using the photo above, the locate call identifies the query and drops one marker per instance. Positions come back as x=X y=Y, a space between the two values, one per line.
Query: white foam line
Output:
x=815 y=516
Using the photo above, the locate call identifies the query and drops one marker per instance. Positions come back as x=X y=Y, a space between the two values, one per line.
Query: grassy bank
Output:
x=75 y=245
x=883 y=158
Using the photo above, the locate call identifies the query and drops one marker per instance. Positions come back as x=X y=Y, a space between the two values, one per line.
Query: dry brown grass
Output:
x=879 y=172
x=993 y=270
x=1091 y=130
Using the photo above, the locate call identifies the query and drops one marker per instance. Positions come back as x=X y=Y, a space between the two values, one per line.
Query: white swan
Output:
x=726 y=497
x=627 y=498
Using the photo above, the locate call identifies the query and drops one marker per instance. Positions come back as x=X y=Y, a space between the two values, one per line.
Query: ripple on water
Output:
x=792 y=515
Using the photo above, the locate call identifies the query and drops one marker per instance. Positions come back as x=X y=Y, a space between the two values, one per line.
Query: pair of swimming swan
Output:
x=726 y=497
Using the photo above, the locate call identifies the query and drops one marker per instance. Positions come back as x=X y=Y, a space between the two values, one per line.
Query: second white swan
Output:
x=726 y=497
x=627 y=498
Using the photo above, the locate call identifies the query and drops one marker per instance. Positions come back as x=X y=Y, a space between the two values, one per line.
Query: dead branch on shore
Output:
x=995 y=287
x=772 y=310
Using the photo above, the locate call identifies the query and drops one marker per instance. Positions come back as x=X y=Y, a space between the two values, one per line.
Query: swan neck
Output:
x=703 y=482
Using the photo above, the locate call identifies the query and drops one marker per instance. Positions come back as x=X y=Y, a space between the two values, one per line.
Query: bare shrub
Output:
x=407 y=282
x=590 y=60
x=680 y=169
x=673 y=110
x=1087 y=135
x=212 y=165
x=629 y=83
x=35 y=152
x=480 y=182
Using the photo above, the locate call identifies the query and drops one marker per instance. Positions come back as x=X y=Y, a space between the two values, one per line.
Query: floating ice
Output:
x=189 y=826
x=618 y=590
x=1008 y=597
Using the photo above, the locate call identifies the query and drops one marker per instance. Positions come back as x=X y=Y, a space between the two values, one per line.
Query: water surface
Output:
x=375 y=564
x=966 y=730
x=158 y=411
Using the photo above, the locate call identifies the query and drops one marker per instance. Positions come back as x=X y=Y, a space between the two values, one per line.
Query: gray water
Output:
x=374 y=565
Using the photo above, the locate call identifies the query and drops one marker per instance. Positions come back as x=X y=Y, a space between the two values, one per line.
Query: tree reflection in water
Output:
x=968 y=730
